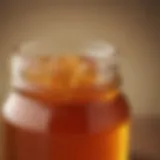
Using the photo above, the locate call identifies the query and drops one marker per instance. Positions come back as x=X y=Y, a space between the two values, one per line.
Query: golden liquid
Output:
x=85 y=132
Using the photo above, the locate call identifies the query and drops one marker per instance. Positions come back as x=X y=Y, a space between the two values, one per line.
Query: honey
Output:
x=68 y=115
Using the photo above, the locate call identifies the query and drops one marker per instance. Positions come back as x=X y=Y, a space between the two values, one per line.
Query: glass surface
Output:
x=66 y=108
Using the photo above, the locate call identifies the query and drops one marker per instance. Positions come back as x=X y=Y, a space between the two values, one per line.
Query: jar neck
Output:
x=64 y=78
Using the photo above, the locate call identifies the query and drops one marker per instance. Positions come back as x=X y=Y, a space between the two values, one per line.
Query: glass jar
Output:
x=66 y=106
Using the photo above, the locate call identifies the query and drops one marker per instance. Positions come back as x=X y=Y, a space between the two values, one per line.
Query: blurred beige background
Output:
x=133 y=26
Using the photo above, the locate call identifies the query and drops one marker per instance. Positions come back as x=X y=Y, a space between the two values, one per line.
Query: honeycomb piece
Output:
x=84 y=75
x=65 y=67
x=39 y=72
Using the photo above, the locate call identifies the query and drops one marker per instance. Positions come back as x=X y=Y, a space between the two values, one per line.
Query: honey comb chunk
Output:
x=83 y=76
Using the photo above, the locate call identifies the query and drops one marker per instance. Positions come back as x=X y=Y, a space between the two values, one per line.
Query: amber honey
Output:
x=69 y=116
